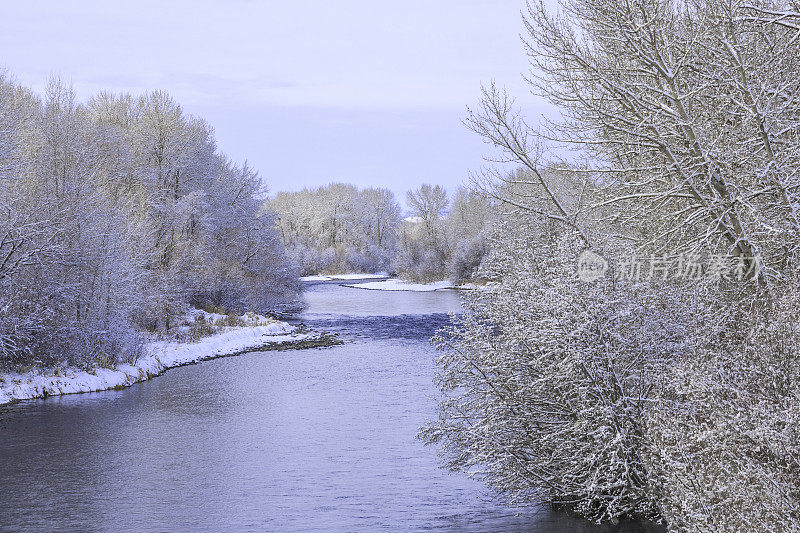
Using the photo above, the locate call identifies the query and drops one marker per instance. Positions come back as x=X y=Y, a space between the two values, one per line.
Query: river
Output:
x=303 y=440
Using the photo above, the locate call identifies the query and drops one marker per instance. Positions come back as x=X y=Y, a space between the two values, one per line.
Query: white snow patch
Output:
x=195 y=314
x=401 y=285
x=346 y=277
x=157 y=357
x=378 y=275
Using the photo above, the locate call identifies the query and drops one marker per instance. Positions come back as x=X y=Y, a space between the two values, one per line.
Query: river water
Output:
x=303 y=440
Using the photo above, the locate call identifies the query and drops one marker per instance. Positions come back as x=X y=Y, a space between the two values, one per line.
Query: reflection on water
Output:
x=279 y=441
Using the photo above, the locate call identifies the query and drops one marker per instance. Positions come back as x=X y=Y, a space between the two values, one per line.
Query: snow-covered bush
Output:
x=418 y=259
x=469 y=223
x=724 y=434
x=466 y=259
x=545 y=378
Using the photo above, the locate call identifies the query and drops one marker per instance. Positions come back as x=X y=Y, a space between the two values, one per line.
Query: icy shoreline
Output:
x=395 y=284
x=158 y=357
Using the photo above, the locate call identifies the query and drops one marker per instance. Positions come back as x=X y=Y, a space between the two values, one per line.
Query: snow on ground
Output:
x=345 y=277
x=316 y=278
x=378 y=275
x=157 y=357
x=471 y=286
x=400 y=285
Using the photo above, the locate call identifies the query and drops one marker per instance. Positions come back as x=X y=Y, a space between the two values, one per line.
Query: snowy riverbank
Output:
x=382 y=282
x=157 y=357
x=344 y=277
x=395 y=284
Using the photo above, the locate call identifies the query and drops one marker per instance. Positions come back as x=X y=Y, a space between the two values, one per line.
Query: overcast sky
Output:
x=308 y=91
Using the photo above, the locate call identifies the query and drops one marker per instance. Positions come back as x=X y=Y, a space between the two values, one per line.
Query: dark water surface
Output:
x=307 y=440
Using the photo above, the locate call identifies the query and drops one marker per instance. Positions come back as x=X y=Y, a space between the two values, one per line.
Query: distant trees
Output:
x=670 y=396
x=440 y=240
x=114 y=216
x=428 y=204
x=424 y=247
x=338 y=228
x=469 y=223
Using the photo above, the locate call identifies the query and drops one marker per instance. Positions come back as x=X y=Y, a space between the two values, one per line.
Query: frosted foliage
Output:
x=682 y=115
x=545 y=379
x=444 y=240
x=338 y=228
x=672 y=399
x=114 y=215
x=470 y=220
x=424 y=246
x=724 y=444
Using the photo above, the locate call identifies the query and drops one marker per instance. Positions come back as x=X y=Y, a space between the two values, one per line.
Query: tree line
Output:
x=339 y=228
x=668 y=386
x=115 y=216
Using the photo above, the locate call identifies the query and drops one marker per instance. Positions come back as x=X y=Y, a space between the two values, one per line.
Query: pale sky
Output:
x=308 y=91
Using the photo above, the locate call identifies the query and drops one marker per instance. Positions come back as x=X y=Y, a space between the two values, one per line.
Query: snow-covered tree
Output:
x=471 y=218
x=114 y=216
x=338 y=228
x=424 y=248
x=677 y=137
